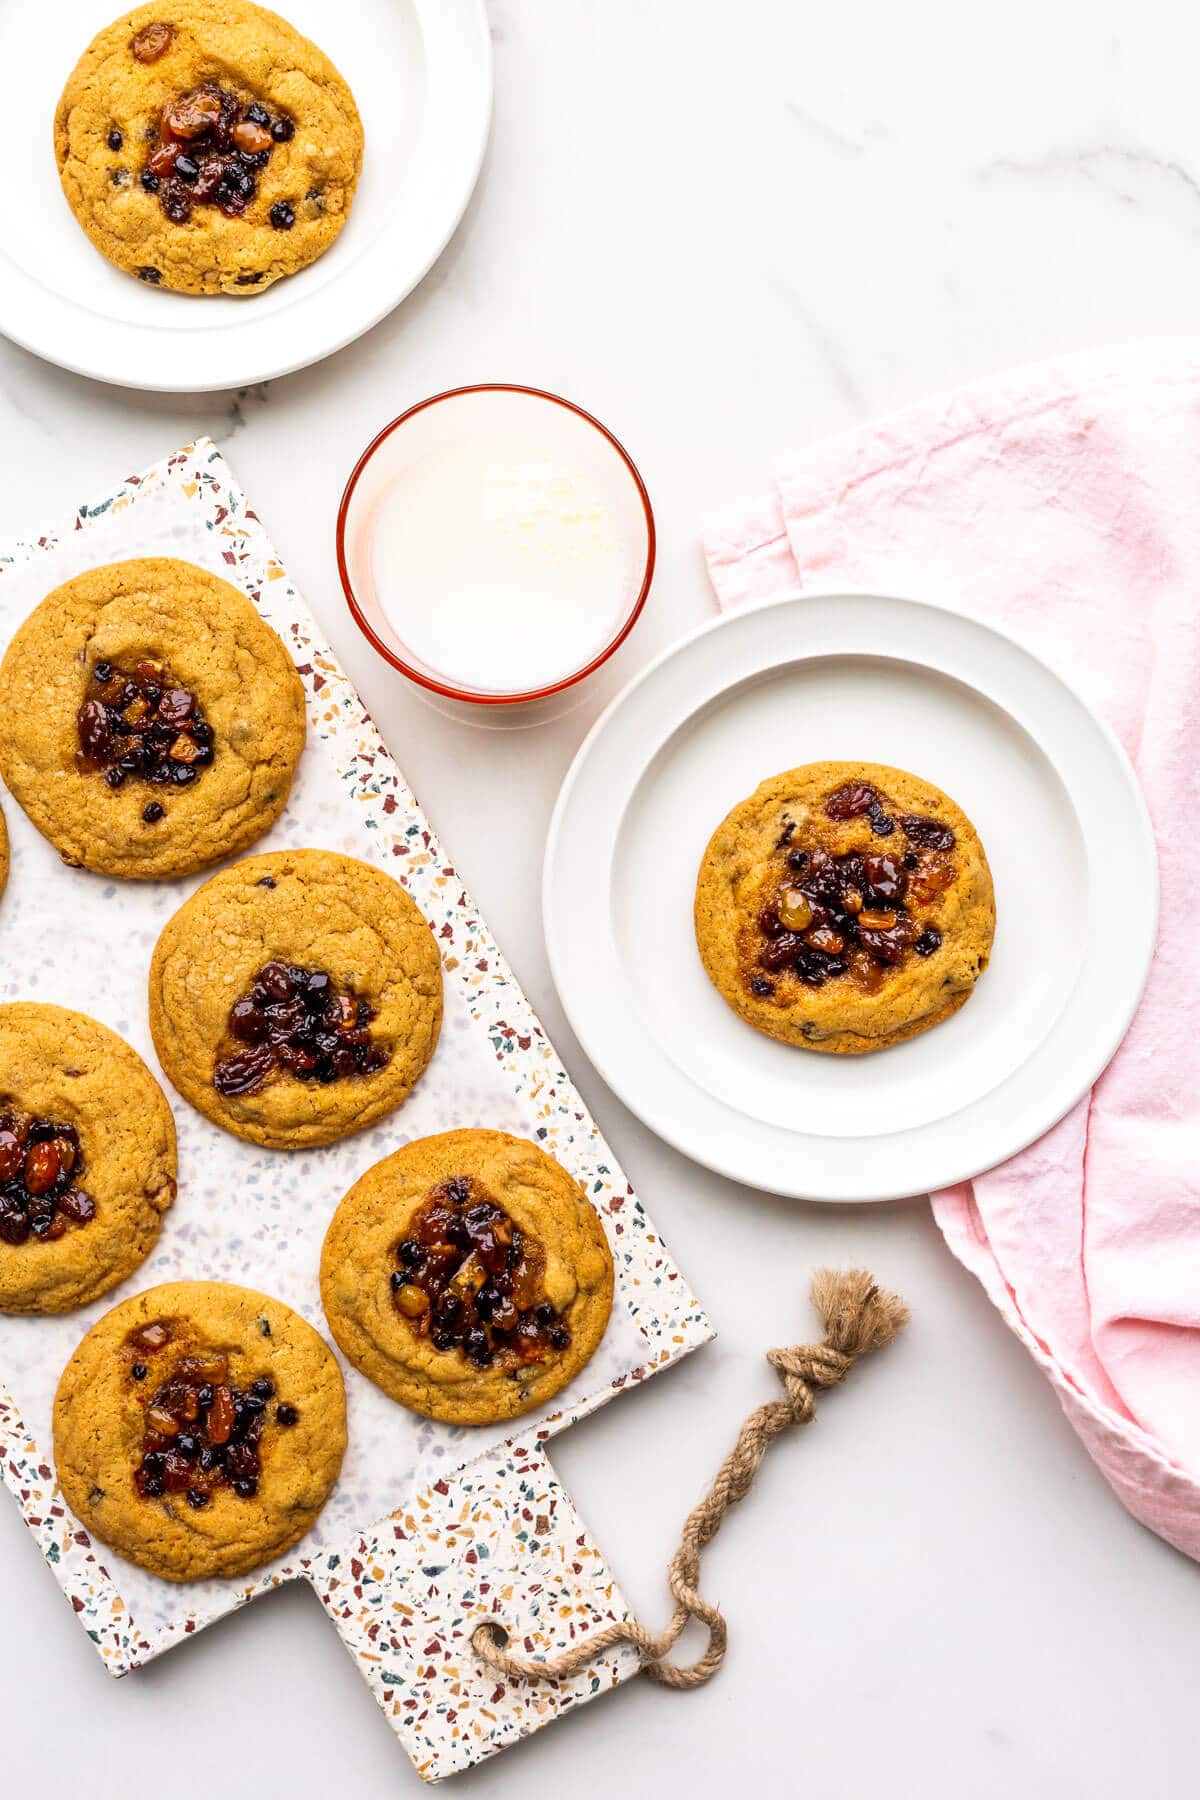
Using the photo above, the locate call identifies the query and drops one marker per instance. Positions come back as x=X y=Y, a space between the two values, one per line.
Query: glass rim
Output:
x=448 y=690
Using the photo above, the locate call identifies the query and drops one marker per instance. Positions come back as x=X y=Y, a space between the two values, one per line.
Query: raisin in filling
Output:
x=201 y=1431
x=141 y=723
x=40 y=1162
x=211 y=149
x=298 y=1021
x=470 y=1280
x=851 y=913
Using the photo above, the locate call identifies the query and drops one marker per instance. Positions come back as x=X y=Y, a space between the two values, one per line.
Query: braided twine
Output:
x=858 y=1317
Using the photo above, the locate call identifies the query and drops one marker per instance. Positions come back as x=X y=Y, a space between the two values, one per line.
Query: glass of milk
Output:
x=496 y=545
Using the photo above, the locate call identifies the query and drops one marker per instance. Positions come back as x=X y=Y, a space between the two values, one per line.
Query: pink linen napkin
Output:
x=1063 y=503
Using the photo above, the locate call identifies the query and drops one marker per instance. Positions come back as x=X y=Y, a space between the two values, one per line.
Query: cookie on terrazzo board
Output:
x=206 y=146
x=845 y=907
x=87 y=1159
x=199 y=1429
x=468 y=1276
x=150 y=720
x=296 y=997
x=3 y=852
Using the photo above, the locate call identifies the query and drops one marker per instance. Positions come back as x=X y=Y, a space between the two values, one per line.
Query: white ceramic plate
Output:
x=851 y=677
x=422 y=77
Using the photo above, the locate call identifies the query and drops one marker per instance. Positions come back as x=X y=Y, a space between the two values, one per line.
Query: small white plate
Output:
x=854 y=678
x=421 y=73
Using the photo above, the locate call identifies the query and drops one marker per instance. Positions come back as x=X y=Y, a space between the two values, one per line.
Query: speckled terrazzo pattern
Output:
x=482 y=1524
x=504 y=1539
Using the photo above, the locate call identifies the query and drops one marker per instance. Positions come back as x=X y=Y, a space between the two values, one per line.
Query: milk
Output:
x=506 y=542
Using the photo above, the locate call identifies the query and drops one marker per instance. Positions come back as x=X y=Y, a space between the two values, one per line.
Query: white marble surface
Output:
x=726 y=229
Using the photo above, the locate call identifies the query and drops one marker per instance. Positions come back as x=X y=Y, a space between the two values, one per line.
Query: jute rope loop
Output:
x=858 y=1317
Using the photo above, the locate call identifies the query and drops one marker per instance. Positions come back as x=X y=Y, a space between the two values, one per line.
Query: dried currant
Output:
x=295 y=1020
x=202 y=1431
x=848 y=914
x=469 y=1280
x=208 y=150
x=39 y=1160
x=927 y=834
x=850 y=800
x=138 y=722
x=151 y=42
x=885 y=877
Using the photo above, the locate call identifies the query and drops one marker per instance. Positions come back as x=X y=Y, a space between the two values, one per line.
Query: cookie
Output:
x=3 y=852
x=206 y=146
x=150 y=722
x=296 y=998
x=468 y=1276
x=199 y=1429
x=87 y=1159
x=845 y=907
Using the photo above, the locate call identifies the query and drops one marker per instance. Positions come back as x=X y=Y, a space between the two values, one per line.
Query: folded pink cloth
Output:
x=1064 y=504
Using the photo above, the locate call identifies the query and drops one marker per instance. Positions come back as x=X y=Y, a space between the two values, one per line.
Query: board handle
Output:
x=501 y=1539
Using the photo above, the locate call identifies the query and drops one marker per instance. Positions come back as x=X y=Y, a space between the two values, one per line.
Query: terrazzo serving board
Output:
x=431 y=1527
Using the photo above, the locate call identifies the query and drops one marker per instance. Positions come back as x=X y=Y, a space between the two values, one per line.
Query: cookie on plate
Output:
x=468 y=1276
x=296 y=997
x=845 y=907
x=87 y=1159
x=150 y=721
x=199 y=1429
x=207 y=146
